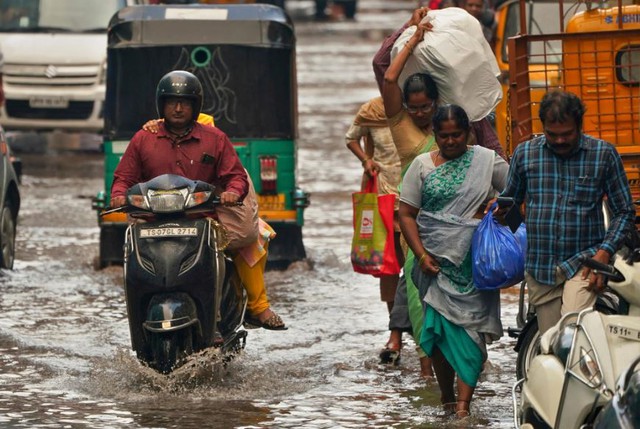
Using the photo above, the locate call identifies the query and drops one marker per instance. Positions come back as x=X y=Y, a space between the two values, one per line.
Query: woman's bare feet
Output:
x=426 y=369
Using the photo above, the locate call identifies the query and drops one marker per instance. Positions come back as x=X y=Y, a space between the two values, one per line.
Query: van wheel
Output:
x=7 y=236
x=529 y=348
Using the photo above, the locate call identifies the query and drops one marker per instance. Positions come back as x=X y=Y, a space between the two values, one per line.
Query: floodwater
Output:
x=65 y=359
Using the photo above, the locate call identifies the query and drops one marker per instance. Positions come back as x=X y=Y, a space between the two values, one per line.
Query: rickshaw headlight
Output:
x=167 y=201
x=198 y=198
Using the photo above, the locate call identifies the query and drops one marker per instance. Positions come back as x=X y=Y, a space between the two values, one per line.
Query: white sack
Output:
x=458 y=58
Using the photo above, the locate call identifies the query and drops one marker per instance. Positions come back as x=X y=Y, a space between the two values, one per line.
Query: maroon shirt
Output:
x=206 y=154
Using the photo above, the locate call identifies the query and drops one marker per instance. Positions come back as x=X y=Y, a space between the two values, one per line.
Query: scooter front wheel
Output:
x=529 y=348
x=169 y=350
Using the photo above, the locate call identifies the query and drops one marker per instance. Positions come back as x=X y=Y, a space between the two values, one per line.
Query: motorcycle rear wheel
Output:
x=169 y=350
x=529 y=349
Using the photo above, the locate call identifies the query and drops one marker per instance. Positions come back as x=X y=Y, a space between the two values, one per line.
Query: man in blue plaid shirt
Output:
x=562 y=177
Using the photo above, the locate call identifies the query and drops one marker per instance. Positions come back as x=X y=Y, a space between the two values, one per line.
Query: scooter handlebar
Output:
x=206 y=207
x=609 y=271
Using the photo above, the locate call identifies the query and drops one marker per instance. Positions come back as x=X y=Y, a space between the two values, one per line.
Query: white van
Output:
x=55 y=63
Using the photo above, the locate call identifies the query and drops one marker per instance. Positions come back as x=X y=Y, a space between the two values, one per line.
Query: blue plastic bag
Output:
x=497 y=254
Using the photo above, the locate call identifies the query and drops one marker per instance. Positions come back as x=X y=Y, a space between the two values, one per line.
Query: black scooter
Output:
x=182 y=293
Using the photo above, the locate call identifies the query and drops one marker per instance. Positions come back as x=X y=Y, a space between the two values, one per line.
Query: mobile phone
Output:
x=505 y=202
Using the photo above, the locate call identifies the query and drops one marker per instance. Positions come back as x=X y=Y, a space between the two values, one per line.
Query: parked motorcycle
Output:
x=574 y=377
x=182 y=293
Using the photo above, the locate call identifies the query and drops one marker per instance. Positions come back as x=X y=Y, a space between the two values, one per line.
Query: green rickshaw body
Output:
x=244 y=56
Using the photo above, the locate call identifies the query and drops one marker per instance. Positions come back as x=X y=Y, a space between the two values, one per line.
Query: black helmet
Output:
x=179 y=83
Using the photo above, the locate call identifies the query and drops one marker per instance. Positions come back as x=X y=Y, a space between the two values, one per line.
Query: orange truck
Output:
x=592 y=50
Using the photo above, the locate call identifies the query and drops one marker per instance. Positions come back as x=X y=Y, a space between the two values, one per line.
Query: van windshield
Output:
x=57 y=15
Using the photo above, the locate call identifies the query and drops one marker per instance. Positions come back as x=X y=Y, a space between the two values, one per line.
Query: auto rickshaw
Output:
x=245 y=57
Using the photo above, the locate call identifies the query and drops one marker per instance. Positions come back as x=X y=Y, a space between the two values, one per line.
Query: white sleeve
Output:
x=411 y=192
x=355 y=132
x=500 y=172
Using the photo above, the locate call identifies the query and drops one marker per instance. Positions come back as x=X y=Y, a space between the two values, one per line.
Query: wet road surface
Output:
x=65 y=356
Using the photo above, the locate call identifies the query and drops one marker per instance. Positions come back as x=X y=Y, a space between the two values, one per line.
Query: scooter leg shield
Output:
x=232 y=302
x=171 y=312
x=543 y=388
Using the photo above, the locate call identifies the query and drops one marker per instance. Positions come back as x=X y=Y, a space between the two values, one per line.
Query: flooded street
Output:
x=65 y=358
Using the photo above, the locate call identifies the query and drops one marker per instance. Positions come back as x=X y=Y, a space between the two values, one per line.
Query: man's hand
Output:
x=117 y=201
x=596 y=281
x=229 y=198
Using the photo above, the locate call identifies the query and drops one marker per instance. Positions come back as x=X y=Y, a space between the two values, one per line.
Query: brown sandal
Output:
x=463 y=412
x=272 y=323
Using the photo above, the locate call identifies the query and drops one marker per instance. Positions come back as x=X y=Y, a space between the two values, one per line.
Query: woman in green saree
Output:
x=444 y=193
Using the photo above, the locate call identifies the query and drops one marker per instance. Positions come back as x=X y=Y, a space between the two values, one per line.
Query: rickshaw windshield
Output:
x=247 y=89
x=244 y=56
x=57 y=15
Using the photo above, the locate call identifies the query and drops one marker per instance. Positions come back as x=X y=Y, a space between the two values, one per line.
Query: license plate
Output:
x=49 y=102
x=168 y=232
x=271 y=202
x=624 y=332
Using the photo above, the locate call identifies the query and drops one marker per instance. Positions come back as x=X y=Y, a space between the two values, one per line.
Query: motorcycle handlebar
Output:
x=609 y=271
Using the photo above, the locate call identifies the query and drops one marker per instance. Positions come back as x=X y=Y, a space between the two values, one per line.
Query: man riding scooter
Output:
x=184 y=147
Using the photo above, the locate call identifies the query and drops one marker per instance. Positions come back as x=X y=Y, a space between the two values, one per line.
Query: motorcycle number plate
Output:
x=168 y=232
x=624 y=332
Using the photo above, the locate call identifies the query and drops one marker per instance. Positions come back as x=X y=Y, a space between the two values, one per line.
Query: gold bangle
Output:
x=422 y=258
x=364 y=161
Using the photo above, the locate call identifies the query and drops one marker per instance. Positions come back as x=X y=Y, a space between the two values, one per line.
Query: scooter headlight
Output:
x=169 y=201
x=589 y=368
x=138 y=201
x=198 y=198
